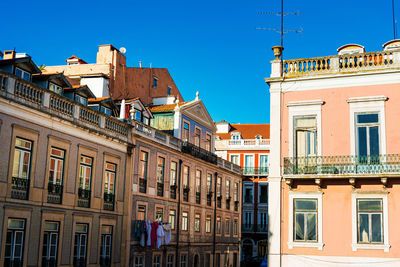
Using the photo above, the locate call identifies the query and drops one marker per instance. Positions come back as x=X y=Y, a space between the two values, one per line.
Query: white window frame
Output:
x=370 y=104
x=305 y=108
x=385 y=219
x=234 y=154
x=305 y=195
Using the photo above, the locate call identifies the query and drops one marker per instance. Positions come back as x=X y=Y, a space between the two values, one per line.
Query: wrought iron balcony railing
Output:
x=319 y=165
x=173 y=191
x=255 y=171
x=198 y=197
x=254 y=228
x=54 y=194
x=228 y=203
x=109 y=199
x=83 y=198
x=142 y=185
x=209 y=198
x=236 y=205
x=219 y=201
x=19 y=188
x=199 y=152
x=160 y=189
x=186 y=190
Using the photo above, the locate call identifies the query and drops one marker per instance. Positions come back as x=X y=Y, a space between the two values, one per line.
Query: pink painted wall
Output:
x=335 y=116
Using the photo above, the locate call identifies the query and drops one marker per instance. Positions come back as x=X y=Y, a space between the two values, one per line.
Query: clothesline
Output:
x=153 y=234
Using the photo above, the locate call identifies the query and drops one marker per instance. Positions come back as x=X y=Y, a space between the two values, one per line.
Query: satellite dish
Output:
x=122 y=50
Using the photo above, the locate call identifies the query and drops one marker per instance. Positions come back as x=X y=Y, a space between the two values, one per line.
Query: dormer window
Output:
x=81 y=99
x=169 y=90
x=23 y=74
x=55 y=88
x=236 y=136
x=106 y=110
x=155 y=80
x=259 y=137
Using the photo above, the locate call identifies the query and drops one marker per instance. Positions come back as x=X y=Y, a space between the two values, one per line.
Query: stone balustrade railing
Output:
x=32 y=95
x=370 y=61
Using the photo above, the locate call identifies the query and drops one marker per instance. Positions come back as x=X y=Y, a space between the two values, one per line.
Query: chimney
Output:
x=140 y=64
x=10 y=54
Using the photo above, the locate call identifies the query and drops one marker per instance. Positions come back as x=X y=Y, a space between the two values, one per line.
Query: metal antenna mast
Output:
x=394 y=21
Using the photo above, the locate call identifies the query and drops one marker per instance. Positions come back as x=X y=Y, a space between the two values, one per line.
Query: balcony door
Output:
x=367 y=130
x=248 y=164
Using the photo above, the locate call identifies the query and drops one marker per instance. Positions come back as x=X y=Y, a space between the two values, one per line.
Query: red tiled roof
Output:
x=168 y=107
x=75 y=87
x=98 y=99
x=247 y=131
x=79 y=59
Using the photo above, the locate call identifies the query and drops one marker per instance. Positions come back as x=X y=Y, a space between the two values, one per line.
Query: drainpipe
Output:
x=215 y=214
x=178 y=217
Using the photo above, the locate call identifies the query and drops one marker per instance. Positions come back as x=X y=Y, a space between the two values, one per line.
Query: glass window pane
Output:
x=299 y=229
x=363 y=228
x=376 y=224
x=374 y=141
x=367 y=118
x=311 y=226
x=370 y=205
x=306 y=122
x=306 y=205
x=362 y=141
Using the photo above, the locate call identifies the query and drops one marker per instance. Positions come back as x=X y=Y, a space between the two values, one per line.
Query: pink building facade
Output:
x=335 y=159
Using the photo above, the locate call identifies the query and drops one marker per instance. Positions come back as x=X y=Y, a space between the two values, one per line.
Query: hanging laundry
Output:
x=160 y=235
x=154 y=227
x=148 y=230
x=167 y=231
x=142 y=233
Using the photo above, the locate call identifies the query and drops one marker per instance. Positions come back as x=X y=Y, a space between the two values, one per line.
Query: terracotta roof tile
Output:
x=98 y=99
x=248 y=131
x=168 y=107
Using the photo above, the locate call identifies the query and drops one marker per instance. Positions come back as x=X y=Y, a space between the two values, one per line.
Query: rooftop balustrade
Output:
x=242 y=144
x=342 y=165
x=370 y=61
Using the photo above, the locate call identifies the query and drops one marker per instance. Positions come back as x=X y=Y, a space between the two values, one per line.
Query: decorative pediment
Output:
x=198 y=112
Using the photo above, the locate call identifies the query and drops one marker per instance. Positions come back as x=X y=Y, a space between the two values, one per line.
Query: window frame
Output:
x=383 y=195
x=185 y=221
x=23 y=72
x=305 y=195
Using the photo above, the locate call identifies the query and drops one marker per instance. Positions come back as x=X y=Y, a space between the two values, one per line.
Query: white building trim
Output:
x=305 y=108
x=369 y=195
x=305 y=195
x=368 y=104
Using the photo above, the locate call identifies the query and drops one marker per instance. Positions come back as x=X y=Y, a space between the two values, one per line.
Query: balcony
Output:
x=243 y=144
x=142 y=185
x=255 y=171
x=19 y=188
x=198 y=197
x=228 y=203
x=342 y=165
x=219 y=201
x=173 y=191
x=255 y=228
x=209 y=198
x=236 y=205
x=54 y=193
x=160 y=189
x=186 y=190
x=109 y=199
x=83 y=198
x=198 y=152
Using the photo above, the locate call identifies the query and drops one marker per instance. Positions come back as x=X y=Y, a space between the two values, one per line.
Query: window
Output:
x=171 y=220
x=185 y=221
x=173 y=179
x=236 y=192
x=106 y=245
x=209 y=182
x=109 y=179
x=186 y=178
x=197 y=136
x=236 y=136
x=219 y=186
x=56 y=166
x=227 y=226
x=55 y=88
x=159 y=215
x=106 y=111
x=183 y=260
x=14 y=246
x=168 y=91
x=369 y=218
x=141 y=213
x=218 y=230
x=208 y=260
x=248 y=193
x=248 y=164
x=263 y=221
x=144 y=158
x=305 y=136
x=367 y=131
x=305 y=217
x=85 y=177
x=50 y=243
x=263 y=189
x=235 y=159
x=160 y=176
x=23 y=74
x=263 y=164
x=208 y=224
x=185 y=134
x=157 y=261
x=139 y=261
x=235 y=226
x=228 y=189
x=155 y=80
x=21 y=168
x=198 y=186
x=197 y=222
x=235 y=256
x=81 y=99
x=247 y=220
x=217 y=260
x=170 y=260
x=80 y=245
x=208 y=142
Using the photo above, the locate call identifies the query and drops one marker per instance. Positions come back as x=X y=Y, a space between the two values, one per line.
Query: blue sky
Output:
x=208 y=46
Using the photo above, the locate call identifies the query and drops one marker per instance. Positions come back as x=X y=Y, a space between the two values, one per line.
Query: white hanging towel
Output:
x=160 y=235
x=148 y=230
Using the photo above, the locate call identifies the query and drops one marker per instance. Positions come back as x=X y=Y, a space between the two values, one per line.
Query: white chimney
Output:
x=122 y=110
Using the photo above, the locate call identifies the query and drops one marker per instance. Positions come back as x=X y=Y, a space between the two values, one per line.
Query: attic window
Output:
x=155 y=80
x=169 y=90
x=236 y=136
x=259 y=137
